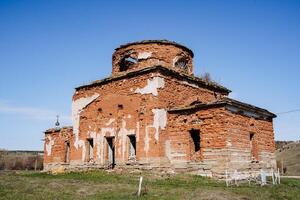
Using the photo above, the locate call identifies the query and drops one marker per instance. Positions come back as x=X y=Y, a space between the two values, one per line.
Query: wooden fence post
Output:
x=140 y=186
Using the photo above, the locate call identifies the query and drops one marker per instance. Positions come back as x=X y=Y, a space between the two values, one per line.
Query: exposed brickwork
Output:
x=222 y=130
x=55 y=146
x=151 y=54
x=156 y=114
x=180 y=92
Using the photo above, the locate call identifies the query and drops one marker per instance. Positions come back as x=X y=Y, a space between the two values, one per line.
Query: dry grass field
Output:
x=289 y=155
x=21 y=160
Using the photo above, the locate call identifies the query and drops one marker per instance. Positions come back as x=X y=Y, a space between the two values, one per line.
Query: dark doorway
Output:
x=132 y=147
x=195 y=136
x=67 y=158
x=110 y=152
x=90 y=149
x=252 y=146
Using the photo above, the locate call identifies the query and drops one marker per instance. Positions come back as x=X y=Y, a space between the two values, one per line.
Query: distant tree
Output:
x=206 y=77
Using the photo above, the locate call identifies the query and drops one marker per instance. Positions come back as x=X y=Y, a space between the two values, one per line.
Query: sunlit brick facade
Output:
x=153 y=113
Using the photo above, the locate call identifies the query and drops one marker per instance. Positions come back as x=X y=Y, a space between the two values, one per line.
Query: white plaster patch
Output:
x=92 y=135
x=100 y=139
x=228 y=143
x=49 y=145
x=80 y=143
x=97 y=140
x=110 y=130
x=123 y=134
x=147 y=139
x=168 y=149
x=159 y=121
x=190 y=84
x=110 y=122
x=152 y=86
x=175 y=60
x=100 y=147
x=144 y=55
x=120 y=135
x=77 y=107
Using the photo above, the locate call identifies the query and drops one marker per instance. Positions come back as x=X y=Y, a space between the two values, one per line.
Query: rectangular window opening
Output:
x=132 y=147
x=251 y=137
x=252 y=145
x=195 y=135
x=120 y=106
x=90 y=149
x=67 y=158
x=110 y=152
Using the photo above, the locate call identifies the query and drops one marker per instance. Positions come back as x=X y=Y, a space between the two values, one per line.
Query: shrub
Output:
x=21 y=162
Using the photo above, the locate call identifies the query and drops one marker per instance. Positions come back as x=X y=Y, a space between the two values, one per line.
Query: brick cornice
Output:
x=166 y=71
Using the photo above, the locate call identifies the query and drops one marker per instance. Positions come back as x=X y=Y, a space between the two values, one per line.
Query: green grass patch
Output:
x=123 y=185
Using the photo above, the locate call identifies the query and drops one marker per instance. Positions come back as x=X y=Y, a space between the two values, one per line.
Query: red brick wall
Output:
x=225 y=140
x=240 y=129
x=121 y=110
x=56 y=151
x=134 y=116
x=159 y=54
x=139 y=106
x=210 y=122
x=178 y=93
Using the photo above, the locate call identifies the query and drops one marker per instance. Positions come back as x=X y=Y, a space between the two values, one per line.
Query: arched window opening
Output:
x=127 y=62
x=182 y=63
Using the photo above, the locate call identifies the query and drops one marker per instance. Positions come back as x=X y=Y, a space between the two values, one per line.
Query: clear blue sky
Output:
x=49 y=47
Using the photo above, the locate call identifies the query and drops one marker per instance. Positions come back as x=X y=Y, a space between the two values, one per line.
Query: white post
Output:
x=282 y=166
x=226 y=176
x=263 y=177
x=278 y=174
x=235 y=176
x=273 y=181
x=140 y=186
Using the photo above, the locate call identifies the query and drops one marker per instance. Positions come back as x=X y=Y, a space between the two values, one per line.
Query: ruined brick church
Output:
x=153 y=113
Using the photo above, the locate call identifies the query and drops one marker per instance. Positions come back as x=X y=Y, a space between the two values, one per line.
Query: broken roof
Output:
x=57 y=129
x=223 y=102
x=157 y=42
x=199 y=81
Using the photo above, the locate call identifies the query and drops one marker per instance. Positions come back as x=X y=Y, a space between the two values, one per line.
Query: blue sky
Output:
x=49 y=47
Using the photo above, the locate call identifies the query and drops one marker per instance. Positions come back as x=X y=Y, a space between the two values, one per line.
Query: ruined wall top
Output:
x=148 y=53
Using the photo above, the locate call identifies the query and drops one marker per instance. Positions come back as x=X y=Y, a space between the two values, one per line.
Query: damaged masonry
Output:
x=153 y=113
